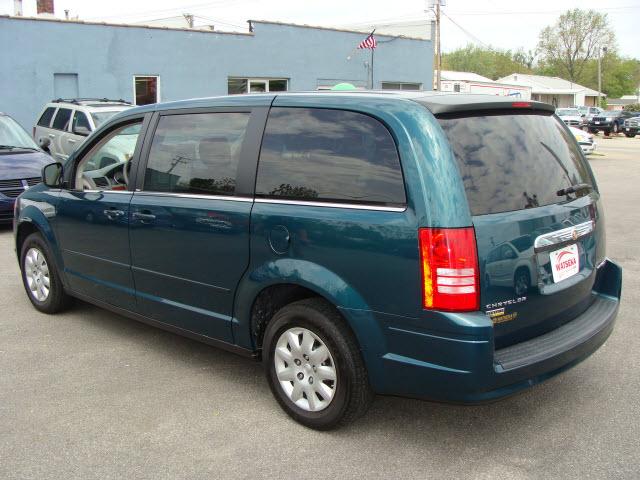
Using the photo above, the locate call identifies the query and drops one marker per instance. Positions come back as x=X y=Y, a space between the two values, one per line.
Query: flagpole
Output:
x=372 y=84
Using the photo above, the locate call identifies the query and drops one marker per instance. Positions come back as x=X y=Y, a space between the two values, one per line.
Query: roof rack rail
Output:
x=76 y=101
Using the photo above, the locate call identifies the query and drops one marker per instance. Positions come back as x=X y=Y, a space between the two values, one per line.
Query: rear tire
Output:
x=40 y=276
x=629 y=135
x=294 y=352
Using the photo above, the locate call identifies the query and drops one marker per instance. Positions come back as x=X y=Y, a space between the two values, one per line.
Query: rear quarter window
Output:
x=328 y=155
x=512 y=161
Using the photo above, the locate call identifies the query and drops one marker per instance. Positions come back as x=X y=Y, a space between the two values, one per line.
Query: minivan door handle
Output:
x=112 y=213
x=145 y=216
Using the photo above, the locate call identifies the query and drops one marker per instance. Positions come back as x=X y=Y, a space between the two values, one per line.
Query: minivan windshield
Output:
x=512 y=161
x=13 y=135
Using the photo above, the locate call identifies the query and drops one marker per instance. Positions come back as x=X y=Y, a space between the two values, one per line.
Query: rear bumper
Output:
x=466 y=370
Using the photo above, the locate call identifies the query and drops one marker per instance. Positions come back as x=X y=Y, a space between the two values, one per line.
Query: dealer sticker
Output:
x=564 y=263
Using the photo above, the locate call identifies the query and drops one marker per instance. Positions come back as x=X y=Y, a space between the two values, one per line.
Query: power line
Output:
x=538 y=12
x=467 y=32
x=198 y=6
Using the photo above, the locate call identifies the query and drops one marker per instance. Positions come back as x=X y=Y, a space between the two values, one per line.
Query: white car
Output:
x=584 y=139
x=65 y=123
x=571 y=116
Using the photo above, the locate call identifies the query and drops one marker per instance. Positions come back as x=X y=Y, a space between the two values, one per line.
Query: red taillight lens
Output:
x=520 y=104
x=450 y=277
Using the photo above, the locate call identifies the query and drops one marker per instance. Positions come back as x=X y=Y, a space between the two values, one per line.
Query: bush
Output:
x=634 y=107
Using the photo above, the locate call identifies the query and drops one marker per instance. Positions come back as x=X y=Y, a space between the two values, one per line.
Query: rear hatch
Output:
x=534 y=207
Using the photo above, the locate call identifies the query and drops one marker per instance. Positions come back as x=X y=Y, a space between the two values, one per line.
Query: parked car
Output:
x=632 y=125
x=570 y=116
x=340 y=238
x=610 y=121
x=585 y=140
x=21 y=163
x=65 y=123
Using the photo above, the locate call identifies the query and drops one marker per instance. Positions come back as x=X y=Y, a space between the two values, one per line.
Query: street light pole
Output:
x=600 y=50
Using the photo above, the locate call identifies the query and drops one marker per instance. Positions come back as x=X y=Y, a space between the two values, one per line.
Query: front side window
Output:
x=61 y=122
x=196 y=153
x=146 y=89
x=107 y=165
x=47 y=115
x=329 y=155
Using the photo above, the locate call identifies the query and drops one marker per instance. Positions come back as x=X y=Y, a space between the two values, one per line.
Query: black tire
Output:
x=353 y=394
x=629 y=134
x=57 y=300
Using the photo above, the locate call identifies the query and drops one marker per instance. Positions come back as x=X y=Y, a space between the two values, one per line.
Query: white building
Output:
x=467 y=82
x=554 y=90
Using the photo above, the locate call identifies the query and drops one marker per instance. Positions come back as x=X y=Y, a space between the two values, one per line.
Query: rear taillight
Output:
x=450 y=277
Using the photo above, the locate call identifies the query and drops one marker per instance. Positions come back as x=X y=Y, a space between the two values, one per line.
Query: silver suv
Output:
x=65 y=123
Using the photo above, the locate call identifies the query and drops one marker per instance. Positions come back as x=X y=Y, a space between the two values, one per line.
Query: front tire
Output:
x=40 y=277
x=314 y=367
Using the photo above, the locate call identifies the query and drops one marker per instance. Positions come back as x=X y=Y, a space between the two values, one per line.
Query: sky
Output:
x=506 y=24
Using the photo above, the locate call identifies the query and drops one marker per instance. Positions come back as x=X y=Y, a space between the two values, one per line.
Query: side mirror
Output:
x=52 y=175
x=81 y=130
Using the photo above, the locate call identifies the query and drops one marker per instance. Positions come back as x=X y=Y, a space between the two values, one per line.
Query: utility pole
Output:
x=600 y=50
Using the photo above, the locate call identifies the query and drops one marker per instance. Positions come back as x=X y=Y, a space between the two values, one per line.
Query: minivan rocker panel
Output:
x=446 y=247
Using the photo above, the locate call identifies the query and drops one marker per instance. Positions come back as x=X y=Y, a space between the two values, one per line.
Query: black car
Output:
x=610 y=121
x=632 y=125
x=21 y=162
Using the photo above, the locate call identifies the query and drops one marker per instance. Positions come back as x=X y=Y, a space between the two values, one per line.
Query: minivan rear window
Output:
x=512 y=161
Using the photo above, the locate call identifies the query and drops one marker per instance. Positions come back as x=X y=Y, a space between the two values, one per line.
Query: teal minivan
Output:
x=445 y=247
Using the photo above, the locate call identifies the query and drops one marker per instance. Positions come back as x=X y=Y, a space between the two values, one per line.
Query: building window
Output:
x=456 y=87
x=146 y=89
x=401 y=86
x=236 y=85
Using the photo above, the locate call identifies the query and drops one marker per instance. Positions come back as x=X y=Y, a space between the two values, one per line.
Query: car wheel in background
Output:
x=40 y=276
x=314 y=367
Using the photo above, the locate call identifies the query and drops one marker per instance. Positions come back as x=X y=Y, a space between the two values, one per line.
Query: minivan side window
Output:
x=61 y=122
x=318 y=154
x=196 y=153
x=47 y=115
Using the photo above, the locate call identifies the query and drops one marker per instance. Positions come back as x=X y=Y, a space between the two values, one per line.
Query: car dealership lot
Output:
x=89 y=394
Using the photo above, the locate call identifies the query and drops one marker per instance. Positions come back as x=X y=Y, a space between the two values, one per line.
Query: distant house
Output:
x=554 y=90
x=620 y=103
x=467 y=82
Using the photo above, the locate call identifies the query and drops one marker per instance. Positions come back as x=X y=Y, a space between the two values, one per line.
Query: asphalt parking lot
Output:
x=89 y=394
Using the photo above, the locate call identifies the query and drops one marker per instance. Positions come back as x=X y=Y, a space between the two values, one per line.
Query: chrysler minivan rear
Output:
x=533 y=259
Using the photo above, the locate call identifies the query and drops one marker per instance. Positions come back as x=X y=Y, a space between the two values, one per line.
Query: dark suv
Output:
x=448 y=247
x=610 y=121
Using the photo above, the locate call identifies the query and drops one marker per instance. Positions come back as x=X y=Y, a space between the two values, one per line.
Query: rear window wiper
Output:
x=578 y=187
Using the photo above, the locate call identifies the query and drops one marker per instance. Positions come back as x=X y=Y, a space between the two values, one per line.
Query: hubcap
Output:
x=305 y=369
x=36 y=272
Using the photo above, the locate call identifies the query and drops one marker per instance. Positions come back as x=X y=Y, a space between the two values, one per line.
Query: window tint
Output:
x=47 y=115
x=80 y=120
x=196 y=153
x=514 y=161
x=331 y=155
x=61 y=122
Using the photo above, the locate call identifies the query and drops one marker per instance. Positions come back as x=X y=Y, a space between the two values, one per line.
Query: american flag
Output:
x=369 y=42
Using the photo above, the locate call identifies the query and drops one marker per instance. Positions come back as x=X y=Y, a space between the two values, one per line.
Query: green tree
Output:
x=488 y=62
x=569 y=44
